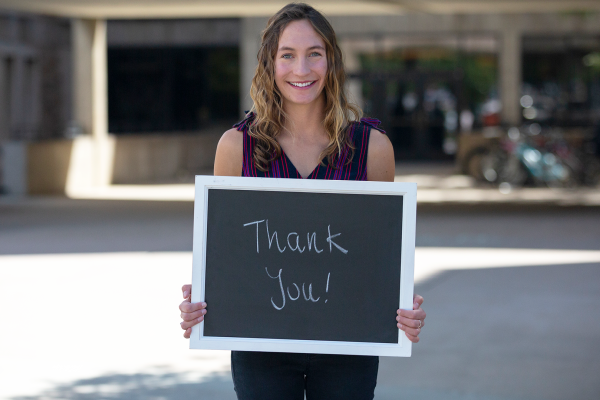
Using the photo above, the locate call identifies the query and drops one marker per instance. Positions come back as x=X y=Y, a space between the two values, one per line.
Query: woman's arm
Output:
x=381 y=167
x=228 y=162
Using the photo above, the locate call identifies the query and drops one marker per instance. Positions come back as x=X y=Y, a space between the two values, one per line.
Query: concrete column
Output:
x=36 y=97
x=17 y=89
x=32 y=98
x=4 y=99
x=249 y=45
x=352 y=65
x=14 y=167
x=511 y=71
x=90 y=94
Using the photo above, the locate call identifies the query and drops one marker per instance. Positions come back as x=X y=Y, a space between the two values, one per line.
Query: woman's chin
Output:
x=302 y=100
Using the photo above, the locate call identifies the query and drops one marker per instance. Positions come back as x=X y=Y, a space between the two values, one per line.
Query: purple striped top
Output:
x=283 y=167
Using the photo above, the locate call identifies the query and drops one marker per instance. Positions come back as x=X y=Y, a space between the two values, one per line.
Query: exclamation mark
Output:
x=327 y=287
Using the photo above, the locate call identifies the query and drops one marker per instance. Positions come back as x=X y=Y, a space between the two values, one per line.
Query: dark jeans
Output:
x=285 y=376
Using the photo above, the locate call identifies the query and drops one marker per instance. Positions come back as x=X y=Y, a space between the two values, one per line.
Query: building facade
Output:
x=431 y=78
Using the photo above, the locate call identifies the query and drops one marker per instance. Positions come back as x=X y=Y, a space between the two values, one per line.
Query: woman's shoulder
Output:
x=380 y=158
x=372 y=123
x=380 y=155
x=362 y=130
x=229 y=156
x=246 y=122
x=231 y=137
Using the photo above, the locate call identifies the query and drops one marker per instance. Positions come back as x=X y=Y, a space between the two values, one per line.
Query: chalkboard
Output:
x=303 y=266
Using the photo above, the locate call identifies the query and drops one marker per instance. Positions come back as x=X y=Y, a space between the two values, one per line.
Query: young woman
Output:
x=302 y=126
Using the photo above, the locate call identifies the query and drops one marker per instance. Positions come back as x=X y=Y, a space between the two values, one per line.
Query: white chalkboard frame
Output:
x=409 y=192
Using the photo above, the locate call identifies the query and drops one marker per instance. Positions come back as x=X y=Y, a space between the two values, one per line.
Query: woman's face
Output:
x=300 y=64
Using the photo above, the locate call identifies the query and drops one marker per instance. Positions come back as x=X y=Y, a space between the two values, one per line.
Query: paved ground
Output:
x=437 y=183
x=89 y=289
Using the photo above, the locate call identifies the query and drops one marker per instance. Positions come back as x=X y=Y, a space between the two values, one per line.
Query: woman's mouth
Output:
x=302 y=85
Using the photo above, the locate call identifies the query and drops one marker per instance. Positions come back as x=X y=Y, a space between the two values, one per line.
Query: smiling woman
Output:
x=300 y=66
x=302 y=126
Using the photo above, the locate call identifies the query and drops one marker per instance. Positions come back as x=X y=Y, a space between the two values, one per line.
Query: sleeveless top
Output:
x=283 y=167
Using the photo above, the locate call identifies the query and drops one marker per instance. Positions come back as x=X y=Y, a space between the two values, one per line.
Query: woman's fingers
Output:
x=414 y=339
x=186 y=290
x=412 y=314
x=193 y=315
x=185 y=325
x=411 y=323
x=418 y=301
x=408 y=330
x=187 y=307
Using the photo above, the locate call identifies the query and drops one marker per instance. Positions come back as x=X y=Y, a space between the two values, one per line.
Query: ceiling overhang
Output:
x=133 y=9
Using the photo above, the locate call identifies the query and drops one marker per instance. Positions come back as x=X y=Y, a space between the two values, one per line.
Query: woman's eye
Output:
x=315 y=54
x=286 y=56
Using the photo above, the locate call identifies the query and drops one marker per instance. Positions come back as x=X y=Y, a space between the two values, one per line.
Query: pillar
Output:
x=511 y=71
x=17 y=90
x=250 y=31
x=90 y=93
x=352 y=66
x=4 y=99
x=32 y=97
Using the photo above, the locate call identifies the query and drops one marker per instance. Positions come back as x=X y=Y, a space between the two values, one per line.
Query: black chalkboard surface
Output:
x=301 y=265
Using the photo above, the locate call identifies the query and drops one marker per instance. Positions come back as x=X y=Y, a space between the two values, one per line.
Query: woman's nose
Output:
x=302 y=67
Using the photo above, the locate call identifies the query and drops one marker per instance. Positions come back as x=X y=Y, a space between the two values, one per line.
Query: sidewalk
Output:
x=108 y=275
x=437 y=184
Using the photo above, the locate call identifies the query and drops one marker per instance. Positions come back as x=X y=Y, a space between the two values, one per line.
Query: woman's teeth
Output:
x=302 y=84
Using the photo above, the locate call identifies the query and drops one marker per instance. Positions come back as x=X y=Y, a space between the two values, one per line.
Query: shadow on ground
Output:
x=491 y=334
x=169 y=387
x=141 y=387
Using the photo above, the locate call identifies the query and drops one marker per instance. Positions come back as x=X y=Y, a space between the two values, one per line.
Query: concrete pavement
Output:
x=437 y=184
x=89 y=290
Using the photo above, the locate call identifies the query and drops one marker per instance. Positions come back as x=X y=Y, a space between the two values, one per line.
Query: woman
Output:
x=302 y=126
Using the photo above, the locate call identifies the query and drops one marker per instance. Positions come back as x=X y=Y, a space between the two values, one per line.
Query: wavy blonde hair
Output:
x=270 y=117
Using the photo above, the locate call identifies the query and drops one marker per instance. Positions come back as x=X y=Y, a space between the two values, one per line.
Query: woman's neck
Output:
x=305 y=121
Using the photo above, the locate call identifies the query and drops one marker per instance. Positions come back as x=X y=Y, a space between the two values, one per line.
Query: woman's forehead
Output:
x=300 y=35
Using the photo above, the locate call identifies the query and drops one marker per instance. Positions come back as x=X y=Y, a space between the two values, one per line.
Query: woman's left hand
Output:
x=411 y=322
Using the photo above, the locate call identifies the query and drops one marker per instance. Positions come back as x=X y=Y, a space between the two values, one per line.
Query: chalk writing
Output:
x=255 y=222
x=307 y=297
x=293 y=243
x=281 y=286
x=311 y=239
x=331 y=242
x=271 y=238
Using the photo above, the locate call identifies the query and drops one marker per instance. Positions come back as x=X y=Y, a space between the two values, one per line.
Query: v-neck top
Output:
x=283 y=167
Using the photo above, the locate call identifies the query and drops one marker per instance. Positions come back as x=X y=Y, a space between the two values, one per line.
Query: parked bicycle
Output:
x=528 y=156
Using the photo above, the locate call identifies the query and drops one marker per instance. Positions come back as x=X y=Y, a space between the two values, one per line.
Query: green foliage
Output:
x=592 y=61
x=480 y=71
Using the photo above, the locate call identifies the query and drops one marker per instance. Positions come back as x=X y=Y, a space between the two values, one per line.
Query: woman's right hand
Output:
x=191 y=313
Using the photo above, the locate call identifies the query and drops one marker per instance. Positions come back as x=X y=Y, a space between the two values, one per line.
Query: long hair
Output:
x=270 y=116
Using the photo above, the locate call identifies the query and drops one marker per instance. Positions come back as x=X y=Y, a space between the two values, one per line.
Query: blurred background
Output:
x=108 y=108
x=123 y=92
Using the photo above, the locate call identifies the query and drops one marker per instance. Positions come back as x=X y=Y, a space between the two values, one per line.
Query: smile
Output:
x=301 y=84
